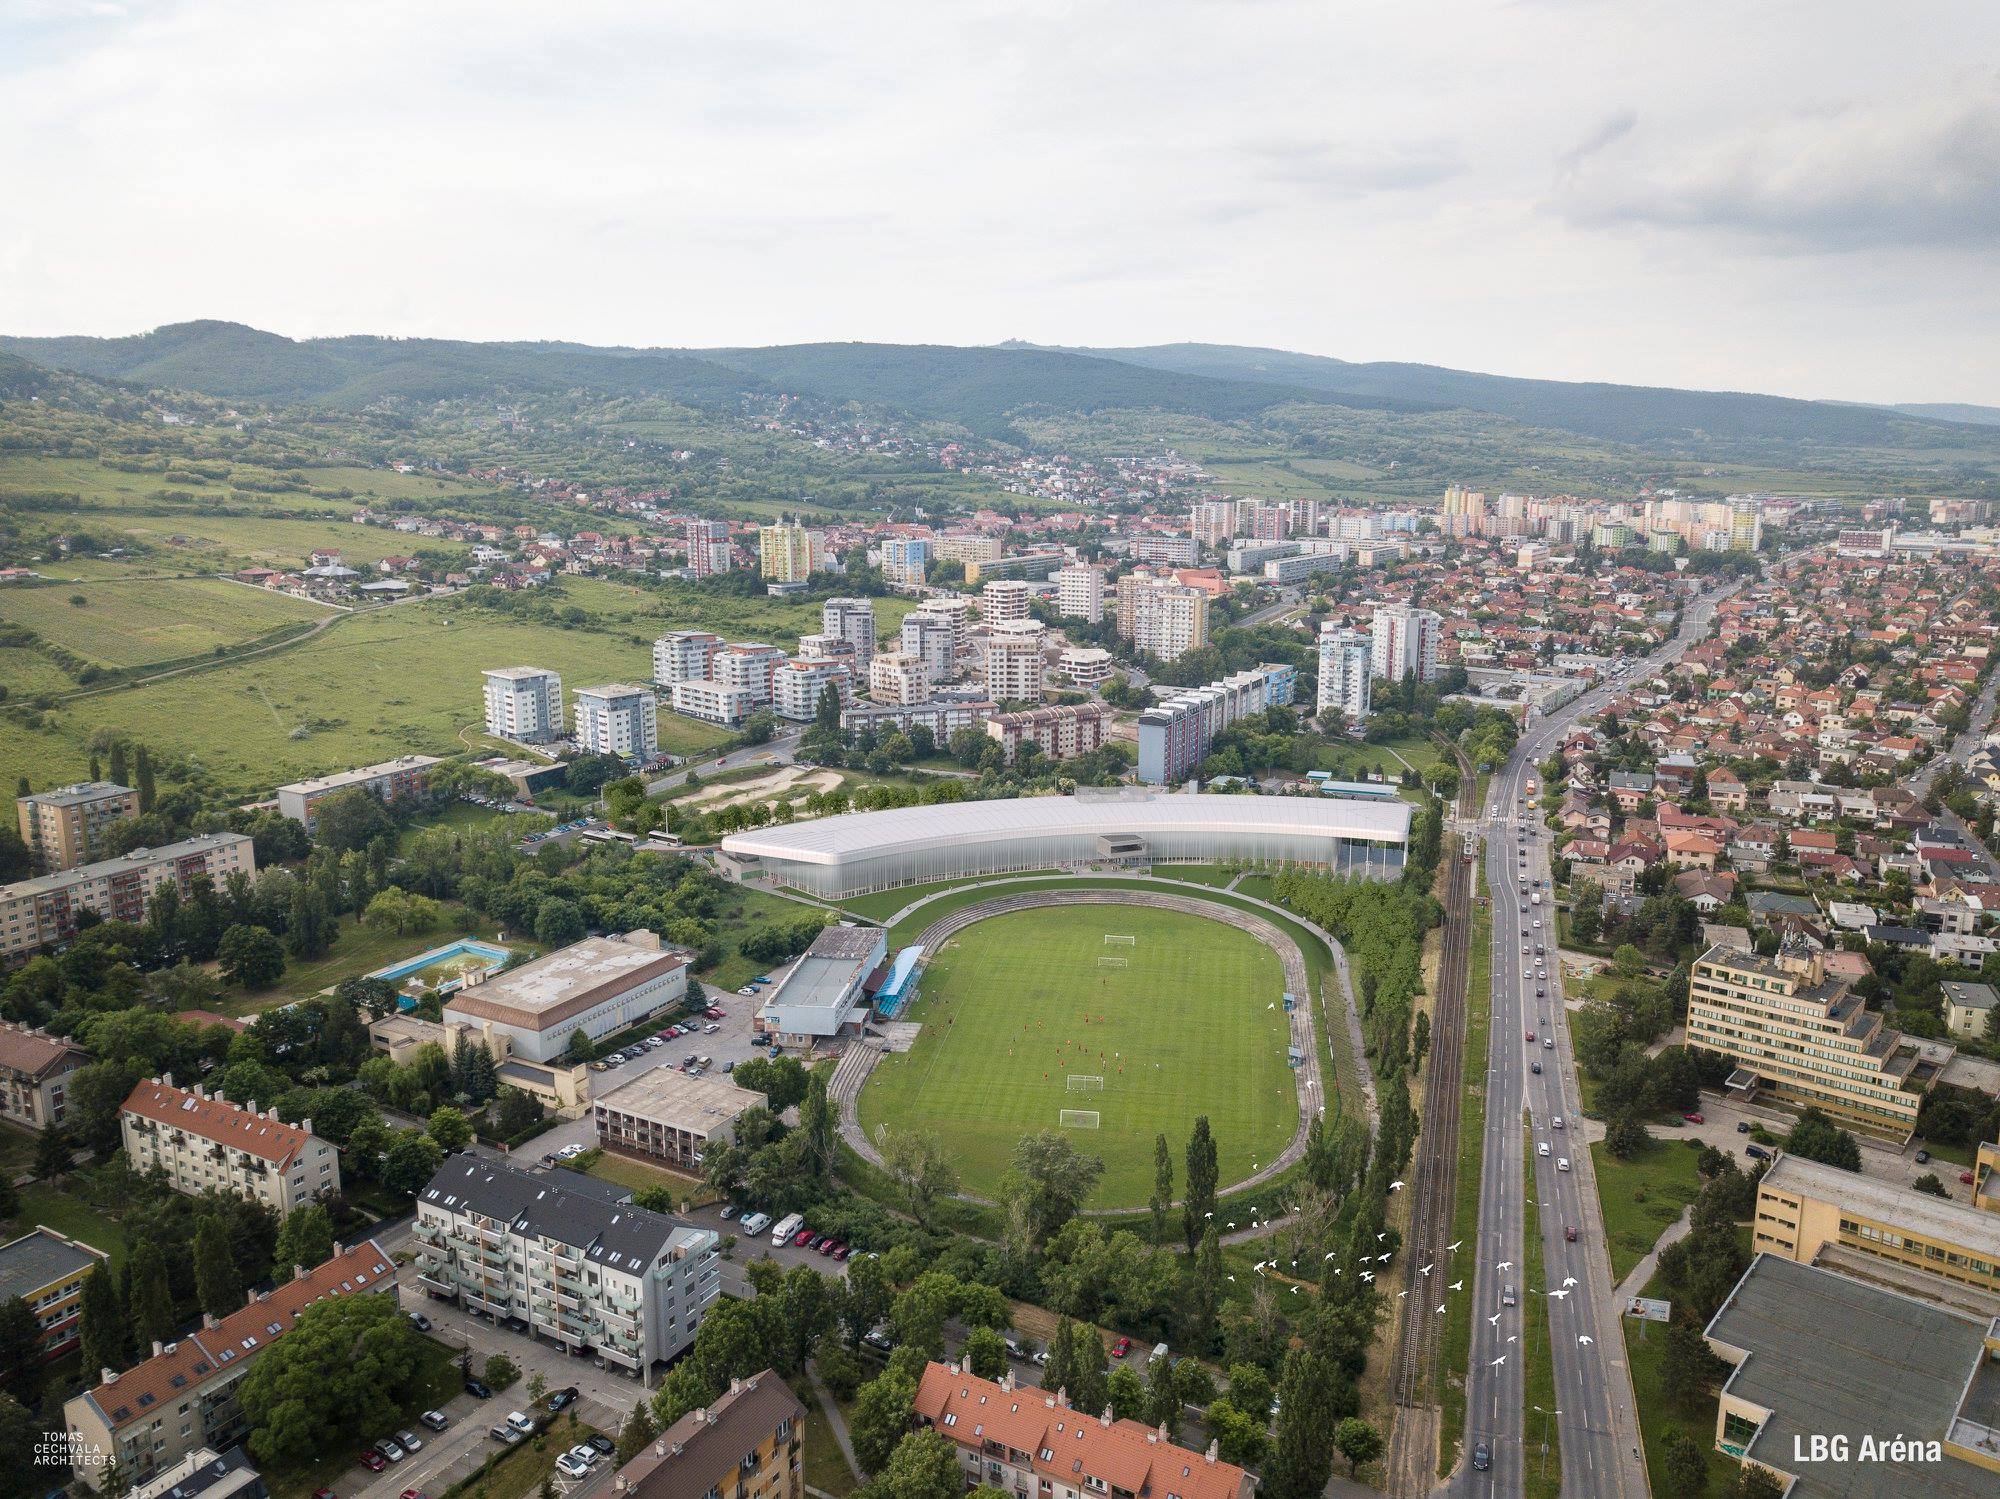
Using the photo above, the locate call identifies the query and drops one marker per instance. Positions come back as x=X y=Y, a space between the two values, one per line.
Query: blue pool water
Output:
x=465 y=947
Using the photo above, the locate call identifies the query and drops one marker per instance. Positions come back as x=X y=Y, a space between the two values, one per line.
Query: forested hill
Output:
x=1636 y=414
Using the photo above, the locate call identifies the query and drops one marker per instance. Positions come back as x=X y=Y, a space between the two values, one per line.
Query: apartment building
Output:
x=35 y=1074
x=1161 y=617
x=684 y=656
x=906 y=560
x=1174 y=736
x=851 y=620
x=1059 y=732
x=1166 y=551
x=1080 y=593
x=203 y=1143
x=967 y=547
x=392 y=780
x=1405 y=643
x=748 y=1443
x=1805 y=1038
x=597 y=986
x=206 y=1474
x=898 y=677
x=934 y=638
x=184 y=1397
x=47 y=1271
x=665 y=1115
x=65 y=827
x=1813 y=1213
x=940 y=717
x=1346 y=672
x=1030 y=1443
x=524 y=703
x=618 y=719
x=708 y=548
x=823 y=647
x=714 y=702
x=750 y=665
x=1014 y=565
x=581 y=1265
x=798 y=686
x=785 y=552
x=1005 y=600
x=1014 y=668
x=1085 y=665
x=42 y=911
x=1213 y=523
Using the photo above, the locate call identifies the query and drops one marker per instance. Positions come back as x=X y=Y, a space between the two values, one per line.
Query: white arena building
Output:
x=862 y=851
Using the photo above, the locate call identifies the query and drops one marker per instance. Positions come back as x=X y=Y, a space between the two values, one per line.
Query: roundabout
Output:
x=1113 y=1016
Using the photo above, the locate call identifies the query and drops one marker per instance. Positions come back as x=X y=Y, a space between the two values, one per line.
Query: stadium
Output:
x=859 y=852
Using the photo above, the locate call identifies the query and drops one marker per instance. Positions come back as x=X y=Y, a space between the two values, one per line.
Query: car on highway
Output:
x=1548 y=1043
x=1482 y=1457
x=373 y=1461
x=1557 y=1122
x=1507 y=1297
x=1542 y=1149
x=1536 y=1068
x=1120 y=1348
x=1531 y=1035
x=1562 y=1163
x=1569 y=1234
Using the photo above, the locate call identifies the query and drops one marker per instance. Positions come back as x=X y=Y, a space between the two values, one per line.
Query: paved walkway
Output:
x=1636 y=1278
x=835 y=1422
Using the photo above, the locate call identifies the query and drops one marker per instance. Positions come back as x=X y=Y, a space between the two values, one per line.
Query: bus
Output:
x=788 y=1225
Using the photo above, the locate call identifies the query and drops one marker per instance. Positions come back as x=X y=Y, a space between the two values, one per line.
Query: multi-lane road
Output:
x=1594 y=1419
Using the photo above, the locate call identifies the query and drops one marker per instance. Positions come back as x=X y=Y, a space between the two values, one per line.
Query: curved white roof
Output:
x=831 y=840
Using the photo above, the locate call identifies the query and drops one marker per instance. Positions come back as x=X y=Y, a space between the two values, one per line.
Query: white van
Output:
x=755 y=1223
x=790 y=1224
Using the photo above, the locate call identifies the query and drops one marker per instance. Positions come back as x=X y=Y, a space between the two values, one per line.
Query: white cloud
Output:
x=1699 y=193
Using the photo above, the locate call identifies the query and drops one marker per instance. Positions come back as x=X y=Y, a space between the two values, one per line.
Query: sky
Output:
x=1799 y=198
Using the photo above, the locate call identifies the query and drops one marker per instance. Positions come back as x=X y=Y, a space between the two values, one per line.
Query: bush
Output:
x=498 y=1372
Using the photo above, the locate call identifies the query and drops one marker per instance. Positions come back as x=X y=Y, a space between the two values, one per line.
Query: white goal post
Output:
x=1084 y=1082
x=1112 y=939
x=1079 y=1119
x=1114 y=962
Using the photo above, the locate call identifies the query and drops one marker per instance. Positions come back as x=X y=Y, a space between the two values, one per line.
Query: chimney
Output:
x=110 y=1376
x=157 y=1349
x=208 y=1322
x=251 y=1107
x=1007 y=1378
x=298 y=1272
x=165 y=1079
x=304 y=1124
x=1210 y=1455
x=1105 y=1419
x=735 y=1385
x=1062 y=1397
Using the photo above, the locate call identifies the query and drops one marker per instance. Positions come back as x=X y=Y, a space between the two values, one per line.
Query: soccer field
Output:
x=1191 y=1022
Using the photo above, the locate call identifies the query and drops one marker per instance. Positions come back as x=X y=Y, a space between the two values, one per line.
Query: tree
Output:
x=349 y=1365
x=635 y=1433
x=144 y=779
x=305 y=1240
x=915 y=1160
x=988 y=1352
x=450 y=1128
x=1198 y=1205
x=19 y=1432
x=1048 y=1183
x=1126 y=1393
x=1163 y=1187
x=251 y=956
x=838 y=1368
x=101 y=1327
x=1756 y=1483
x=920 y=1313
x=150 y=1298
x=1239 y=1436
x=1683 y=1467
x=1358 y=1442
x=558 y=923
x=498 y=1372
x=881 y=1417
x=52 y=1154
x=1163 y=1399
x=20 y=1346
x=1929 y=1182
x=1818 y=1138
x=924 y=1464
x=411 y=1161
x=1301 y=1458
x=218 y=1284
x=1626 y=1137
x=1687 y=1367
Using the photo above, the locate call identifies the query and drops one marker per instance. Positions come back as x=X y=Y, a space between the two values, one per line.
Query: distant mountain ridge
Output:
x=981 y=389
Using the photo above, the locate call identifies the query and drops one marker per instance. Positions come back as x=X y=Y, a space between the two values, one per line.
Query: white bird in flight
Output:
x=1494 y=1320
x=1585 y=1341
x=1440 y=1311
x=1395 y=1186
x=1558 y=1295
x=1457 y=1285
x=1498 y=1362
x=1504 y=1265
x=1569 y=1280
x=1453 y=1248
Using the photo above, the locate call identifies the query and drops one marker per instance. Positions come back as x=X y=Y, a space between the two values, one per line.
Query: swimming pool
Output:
x=452 y=961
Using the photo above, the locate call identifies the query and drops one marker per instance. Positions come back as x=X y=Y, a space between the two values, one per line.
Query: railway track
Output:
x=1414 y=1368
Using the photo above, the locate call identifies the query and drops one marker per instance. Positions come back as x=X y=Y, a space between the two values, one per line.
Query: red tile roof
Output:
x=215 y=1118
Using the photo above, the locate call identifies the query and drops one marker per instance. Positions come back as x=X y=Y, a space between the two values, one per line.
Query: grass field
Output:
x=58 y=1208
x=1660 y=1415
x=1640 y=1197
x=142 y=621
x=1465 y=1184
x=1016 y=1005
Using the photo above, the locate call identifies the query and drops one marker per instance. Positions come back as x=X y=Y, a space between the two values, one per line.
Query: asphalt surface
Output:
x=775 y=751
x=1594 y=1416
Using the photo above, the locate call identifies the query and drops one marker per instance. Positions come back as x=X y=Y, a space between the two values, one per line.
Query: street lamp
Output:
x=1545 y=1438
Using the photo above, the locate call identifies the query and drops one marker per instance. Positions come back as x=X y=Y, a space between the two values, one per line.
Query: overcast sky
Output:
x=1792 y=197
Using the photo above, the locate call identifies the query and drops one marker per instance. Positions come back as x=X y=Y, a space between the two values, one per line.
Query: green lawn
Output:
x=17 y=1150
x=139 y=622
x=56 y=1208
x=1457 y=1341
x=1543 y=1467
x=1013 y=1006
x=1641 y=1197
x=358 y=950
x=627 y=1172
x=826 y=1468
x=743 y=912
x=1660 y=1416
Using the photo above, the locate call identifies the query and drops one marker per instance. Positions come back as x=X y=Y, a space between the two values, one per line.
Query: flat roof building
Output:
x=597 y=986
x=666 y=1115
x=65 y=826
x=47 y=1271
x=862 y=851
x=38 y=912
x=1817 y=1357
x=407 y=775
x=822 y=994
x=206 y=1474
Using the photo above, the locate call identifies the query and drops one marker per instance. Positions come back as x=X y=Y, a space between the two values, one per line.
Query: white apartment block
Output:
x=1059 y=732
x=749 y=665
x=1346 y=671
x=524 y=703
x=714 y=702
x=618 y=719
x=934 y=640
x=852 y=620
x=583 y=1272
x=1005 y=599
x=1162 y=617
x=39 y=912
x=1213 y=522
x=1080 y=593
x=898 y=677
x=684 y=656
x=205 y=1143
x=825 y=647
x=798 y=686
x=1405 y=643
x=1014 y=663
x=1086 y=665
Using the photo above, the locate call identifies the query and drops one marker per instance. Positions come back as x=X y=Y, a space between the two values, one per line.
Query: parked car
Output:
x=1757 y=1152
x=1016 y=1348
x=829 y=1247
x=603 y=1443
x=1923 y=1158
x=563 y=1399
x=412 y=1494
x=434 y=1420
x=728 y=1211
x=572 y=1466
x=420 y=1322
x=504 y=1434
x=803 y=1236
x=1694 y=1118
x=523 y=1424
x=1965 y=1177
x=411 y=1442
x=1120 y=1348
x=388 y=1448
x=1743 y=1126
x=714 y=1012
x=842 y=1253
x=477 y=1390
x=373 y=1461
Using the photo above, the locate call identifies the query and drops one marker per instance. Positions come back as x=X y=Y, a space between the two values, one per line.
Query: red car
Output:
x=1966 y=1177
x=803 y=1236
x=413 y=1494
x=1694 y=1119
x=829 y=1246
x=842 y=1252
x=713 y=1012
x=1120 y=1348
x=374 y=1461
x=1531 y=1035
x=1569 y=1235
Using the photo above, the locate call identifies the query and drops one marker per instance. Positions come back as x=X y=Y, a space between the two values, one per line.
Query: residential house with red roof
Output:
x=201 y=1142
